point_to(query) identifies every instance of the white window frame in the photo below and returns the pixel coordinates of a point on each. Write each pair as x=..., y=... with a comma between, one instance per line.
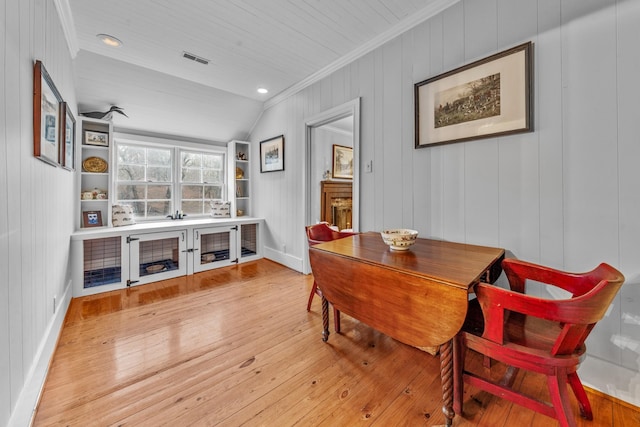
x=176, y=146
x=179, y=183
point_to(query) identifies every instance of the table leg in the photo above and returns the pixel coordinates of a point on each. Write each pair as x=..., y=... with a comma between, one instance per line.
x=325, y=319
x=446, y=376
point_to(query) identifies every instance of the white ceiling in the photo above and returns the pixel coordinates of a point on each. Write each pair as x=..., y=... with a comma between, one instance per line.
x=282, y=45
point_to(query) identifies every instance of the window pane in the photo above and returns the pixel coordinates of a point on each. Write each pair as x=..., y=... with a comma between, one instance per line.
x=130, y=173
x=212, y=192
x=158, y=157
x=191, y=160
x=131, y=155
x=138, y=208
x=191, y=192
x=212, y=161
x=193, y=207
x=158, y=208
x=191, y=175
x=158, y=174
x=211, y=176
x=131, y=192
x=161, y=192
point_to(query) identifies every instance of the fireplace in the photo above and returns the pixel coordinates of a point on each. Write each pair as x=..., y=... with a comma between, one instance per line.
x=336, y=203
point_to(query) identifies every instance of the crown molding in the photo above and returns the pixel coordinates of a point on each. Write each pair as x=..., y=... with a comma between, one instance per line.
x=403, y=26
x=69, y=29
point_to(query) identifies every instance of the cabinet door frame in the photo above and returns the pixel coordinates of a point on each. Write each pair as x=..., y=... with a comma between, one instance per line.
x=233, y=258
x=79, y=257
x=134, y=240
x=258, y=252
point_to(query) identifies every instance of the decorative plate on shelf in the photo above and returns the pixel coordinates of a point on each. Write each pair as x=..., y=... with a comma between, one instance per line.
x=95, y=164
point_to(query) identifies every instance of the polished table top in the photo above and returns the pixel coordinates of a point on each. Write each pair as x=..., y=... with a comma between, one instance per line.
x=454, y=264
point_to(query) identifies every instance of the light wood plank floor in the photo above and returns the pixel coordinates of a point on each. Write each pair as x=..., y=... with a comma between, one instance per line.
x=235, y=346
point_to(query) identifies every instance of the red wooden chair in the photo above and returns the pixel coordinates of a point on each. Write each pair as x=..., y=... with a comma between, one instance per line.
x=535, y=334
x=319, y=233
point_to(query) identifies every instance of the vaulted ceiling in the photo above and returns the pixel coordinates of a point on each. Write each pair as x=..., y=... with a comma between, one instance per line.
x=281, y=45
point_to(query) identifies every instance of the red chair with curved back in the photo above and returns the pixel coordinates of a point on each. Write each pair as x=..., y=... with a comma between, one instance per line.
x=319, y=233
x=541, y=335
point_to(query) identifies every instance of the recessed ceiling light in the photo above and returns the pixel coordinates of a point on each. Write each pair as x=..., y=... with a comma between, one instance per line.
x=109, y=40
x=263, y=90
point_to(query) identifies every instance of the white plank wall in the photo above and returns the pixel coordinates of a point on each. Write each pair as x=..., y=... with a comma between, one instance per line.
x=36, y=205
x=565, y=195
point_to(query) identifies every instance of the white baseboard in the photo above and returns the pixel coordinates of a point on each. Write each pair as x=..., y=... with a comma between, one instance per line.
x=26, y=405
x=614, y=380
x=287, y=260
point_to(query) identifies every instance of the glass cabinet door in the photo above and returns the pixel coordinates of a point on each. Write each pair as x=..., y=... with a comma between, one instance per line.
x=157, y=256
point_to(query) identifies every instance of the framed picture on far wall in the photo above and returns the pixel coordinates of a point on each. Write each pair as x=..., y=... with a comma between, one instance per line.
x=46, y=116
x=342, y=162
x=272, y=154
x=486, y=98
x=91, y=219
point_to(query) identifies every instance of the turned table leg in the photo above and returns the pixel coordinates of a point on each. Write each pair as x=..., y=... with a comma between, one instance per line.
x=325, y=319
x=446, y=375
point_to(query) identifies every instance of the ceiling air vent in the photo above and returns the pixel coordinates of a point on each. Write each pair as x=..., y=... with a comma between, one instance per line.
x=196, y=58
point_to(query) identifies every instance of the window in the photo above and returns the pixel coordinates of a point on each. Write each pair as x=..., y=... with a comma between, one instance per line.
x=201, y=179
x=146, y=179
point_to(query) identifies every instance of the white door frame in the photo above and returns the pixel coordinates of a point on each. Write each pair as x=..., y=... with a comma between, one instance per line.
x=350, y=108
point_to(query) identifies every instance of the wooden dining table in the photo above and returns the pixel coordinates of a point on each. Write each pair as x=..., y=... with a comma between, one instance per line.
x=418, y=296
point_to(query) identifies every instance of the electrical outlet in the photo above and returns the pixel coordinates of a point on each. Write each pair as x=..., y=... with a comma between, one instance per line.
x=54, y=304
x=284, y=248
x=368, y=167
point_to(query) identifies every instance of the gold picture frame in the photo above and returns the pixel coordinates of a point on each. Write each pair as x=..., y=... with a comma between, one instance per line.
x=342, y=162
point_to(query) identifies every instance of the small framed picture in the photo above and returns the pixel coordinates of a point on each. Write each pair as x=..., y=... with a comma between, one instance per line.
x=272, y=154
x=67, y=138
x=342, y=162
x=46, y=116
x=96, y=138
x=91, y=219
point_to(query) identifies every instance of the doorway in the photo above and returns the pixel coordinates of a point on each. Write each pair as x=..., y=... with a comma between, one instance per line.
x=334, y=129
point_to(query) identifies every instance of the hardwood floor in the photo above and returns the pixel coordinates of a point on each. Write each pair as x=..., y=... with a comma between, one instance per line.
x=235, y=346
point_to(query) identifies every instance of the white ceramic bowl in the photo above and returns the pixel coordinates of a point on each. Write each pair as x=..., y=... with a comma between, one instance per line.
x=399, y=239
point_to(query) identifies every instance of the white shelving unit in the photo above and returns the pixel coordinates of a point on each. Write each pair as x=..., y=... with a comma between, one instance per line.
x=239, y=166
x=94, y=182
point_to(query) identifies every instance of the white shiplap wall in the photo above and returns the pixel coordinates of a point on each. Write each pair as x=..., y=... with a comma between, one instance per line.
x=565, y=195
x=36, y=206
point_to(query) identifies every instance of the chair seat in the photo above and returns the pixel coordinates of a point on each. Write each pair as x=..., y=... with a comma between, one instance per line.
x=527, y=331
x=523, y=335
